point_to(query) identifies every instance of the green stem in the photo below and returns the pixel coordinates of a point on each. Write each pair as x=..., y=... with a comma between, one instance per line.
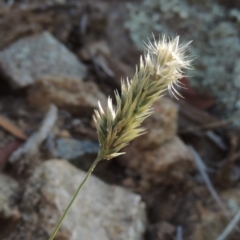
x=98, y=159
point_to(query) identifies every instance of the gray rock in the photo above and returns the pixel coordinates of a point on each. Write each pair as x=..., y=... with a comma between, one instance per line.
x=101, y=211
x=8, y=188
x=69, y=148
x=9, y=212
x=29, y=59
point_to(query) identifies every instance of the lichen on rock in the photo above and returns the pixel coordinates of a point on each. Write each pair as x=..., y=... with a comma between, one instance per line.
x=216, y=42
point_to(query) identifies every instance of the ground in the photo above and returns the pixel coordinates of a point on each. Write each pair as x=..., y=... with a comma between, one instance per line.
x=189, y=194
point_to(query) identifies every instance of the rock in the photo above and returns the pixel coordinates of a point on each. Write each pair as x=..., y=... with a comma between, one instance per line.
x=9, y=212
x=158, y=156
x=81, y=153
x=100, y=212
x=166, y=164
x=161, y=230
x=210, y=226
x=110, y=68
x=212, y=223
x=161, y=125
x=231, y=197
x=78, y=97
x=72, y=149
x=95, y=48
x=32, y=58
x=63, y=134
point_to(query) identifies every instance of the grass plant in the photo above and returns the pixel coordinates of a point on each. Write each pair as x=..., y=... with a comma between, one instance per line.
x=160, y=69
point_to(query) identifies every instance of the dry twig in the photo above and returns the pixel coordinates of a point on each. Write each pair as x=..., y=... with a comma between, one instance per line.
x=216, y=139
x=179, y=233
x=202, y=169
x=31, y=147
x=230, y=227
x=209, y=126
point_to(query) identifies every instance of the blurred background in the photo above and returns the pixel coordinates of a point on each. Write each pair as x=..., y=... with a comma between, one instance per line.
x=179, y=181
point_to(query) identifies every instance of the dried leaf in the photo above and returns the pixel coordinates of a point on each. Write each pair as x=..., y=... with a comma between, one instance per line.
x=13, y=129
x=194, y=98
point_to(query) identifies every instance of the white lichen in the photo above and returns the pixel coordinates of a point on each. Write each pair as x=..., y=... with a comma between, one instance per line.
x=216, y=35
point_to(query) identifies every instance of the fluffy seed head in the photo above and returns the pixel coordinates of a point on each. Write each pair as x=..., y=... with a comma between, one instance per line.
x=159, y=70
x=167, y=58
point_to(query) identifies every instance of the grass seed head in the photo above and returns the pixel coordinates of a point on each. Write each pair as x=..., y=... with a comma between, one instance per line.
x=160, y=68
